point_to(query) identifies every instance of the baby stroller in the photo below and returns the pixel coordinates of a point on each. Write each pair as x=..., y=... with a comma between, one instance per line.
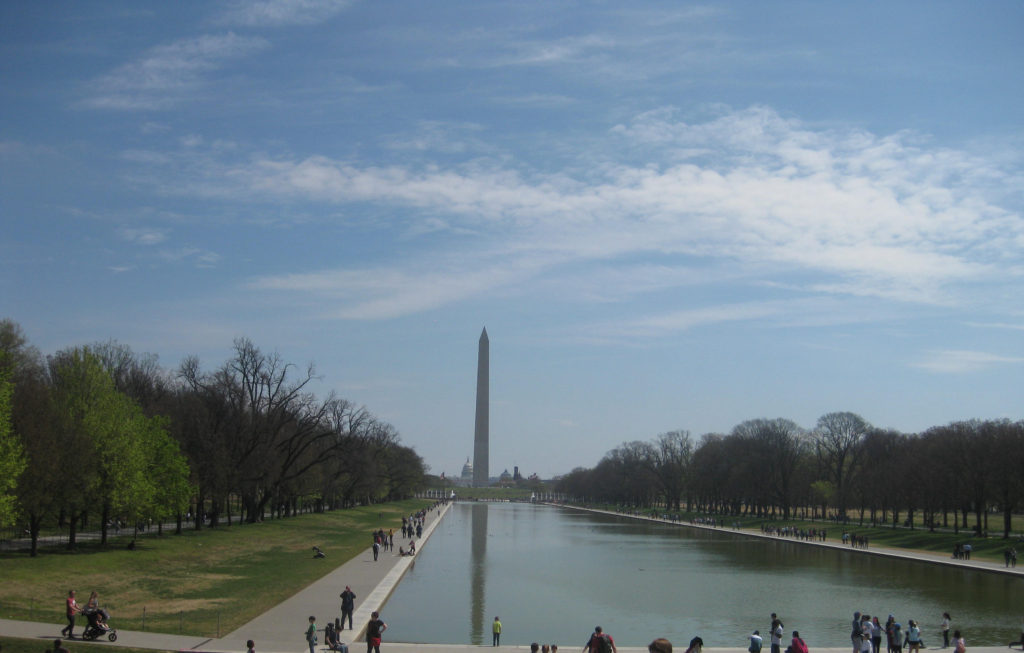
x=98, y=626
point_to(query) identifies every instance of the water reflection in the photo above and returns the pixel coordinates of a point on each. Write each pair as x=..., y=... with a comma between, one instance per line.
x=478, y=571
x=553, y=574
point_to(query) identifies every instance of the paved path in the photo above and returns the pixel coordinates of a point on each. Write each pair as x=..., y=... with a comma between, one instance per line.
x=903, y=554
x=280, y=630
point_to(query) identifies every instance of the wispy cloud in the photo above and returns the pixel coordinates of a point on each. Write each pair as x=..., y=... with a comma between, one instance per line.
x=142, y=236
x=374, y=294
x=843, y=213
x=957, y=361
x=277, y=13
x=201, y=258
x=166, y=74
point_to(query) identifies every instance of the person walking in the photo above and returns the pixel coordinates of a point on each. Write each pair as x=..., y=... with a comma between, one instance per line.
x=348, y=605
x=71, y=609
x=311, y=634
x=496, y=632
x=374, y=631
x=600, y=642
x=376, y=548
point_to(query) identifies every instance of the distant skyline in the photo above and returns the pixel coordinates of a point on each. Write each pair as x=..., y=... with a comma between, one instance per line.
x=667, y=215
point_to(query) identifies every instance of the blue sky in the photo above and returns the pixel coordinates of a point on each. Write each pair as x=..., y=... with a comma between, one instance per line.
x=667, y=215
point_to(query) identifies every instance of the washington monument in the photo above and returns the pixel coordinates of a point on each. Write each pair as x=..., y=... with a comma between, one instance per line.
x=481, y=432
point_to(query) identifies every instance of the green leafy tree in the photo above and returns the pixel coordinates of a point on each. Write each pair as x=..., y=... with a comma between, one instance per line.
x=12, y=455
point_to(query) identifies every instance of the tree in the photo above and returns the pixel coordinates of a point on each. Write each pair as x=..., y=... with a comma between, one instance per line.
x=837, y=440
x=670, y=457
x=779, y=444
x=110, y=436
x=12, y=455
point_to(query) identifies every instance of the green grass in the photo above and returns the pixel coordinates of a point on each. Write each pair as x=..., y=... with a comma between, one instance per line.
x=20, y=645
x=205, y=583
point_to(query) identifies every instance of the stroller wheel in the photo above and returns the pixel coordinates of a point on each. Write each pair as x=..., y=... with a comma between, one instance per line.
x=112, y=636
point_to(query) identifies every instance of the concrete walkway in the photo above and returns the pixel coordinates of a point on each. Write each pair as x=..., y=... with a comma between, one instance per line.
x=281, y=629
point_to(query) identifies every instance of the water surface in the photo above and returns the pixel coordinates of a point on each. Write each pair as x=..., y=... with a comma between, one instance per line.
x=552, y=574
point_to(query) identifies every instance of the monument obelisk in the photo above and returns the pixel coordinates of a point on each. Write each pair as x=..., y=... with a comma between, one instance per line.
x=481, y=433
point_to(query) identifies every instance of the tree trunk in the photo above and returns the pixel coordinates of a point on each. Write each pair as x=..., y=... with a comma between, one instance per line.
x=104, y=518
x=34, y=523
x=72, y=532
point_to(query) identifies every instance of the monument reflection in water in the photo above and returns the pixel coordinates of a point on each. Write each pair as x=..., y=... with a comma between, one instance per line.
x=478, y=571
x=552, y=574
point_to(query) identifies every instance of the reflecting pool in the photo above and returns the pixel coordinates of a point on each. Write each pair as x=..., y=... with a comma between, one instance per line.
x=552, y=574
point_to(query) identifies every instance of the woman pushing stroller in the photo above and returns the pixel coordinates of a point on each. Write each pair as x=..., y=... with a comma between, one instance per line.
x=98, y=618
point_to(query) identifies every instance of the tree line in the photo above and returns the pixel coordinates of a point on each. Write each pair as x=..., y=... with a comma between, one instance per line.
x=774, y=469
x=102, y=434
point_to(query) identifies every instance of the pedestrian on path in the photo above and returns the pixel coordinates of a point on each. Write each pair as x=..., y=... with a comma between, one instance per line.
x=250, y=646
x=71, y=610
x=311, y=634
x=495, y=632
x=374, y=630
x=376, y=548
x=348, y=605
x=600, y=642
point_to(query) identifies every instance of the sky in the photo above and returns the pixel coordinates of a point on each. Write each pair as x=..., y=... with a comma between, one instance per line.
x=667, y=215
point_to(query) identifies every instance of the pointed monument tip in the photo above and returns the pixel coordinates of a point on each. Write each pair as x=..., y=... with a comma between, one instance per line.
x=483, y=334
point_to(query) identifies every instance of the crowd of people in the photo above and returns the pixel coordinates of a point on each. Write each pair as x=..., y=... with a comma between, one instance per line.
x=866, y=633
x=805, y=534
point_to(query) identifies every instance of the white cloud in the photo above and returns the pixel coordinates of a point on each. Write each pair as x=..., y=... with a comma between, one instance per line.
x=837, y=212
x=142, y=236
x=957, y=361
x=375, y=294
x=201, y=258
x=277, y=13
x=168, y=73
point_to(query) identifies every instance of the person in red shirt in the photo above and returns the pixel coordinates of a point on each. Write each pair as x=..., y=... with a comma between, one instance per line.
x=600, y=642
x=72, y=610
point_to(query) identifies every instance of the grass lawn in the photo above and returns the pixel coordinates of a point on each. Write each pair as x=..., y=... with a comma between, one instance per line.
x=205, y=583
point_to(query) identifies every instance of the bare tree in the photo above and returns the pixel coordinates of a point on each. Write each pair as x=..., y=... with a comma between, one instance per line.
x=779, y=444
x=837, y=440
x=671, y=456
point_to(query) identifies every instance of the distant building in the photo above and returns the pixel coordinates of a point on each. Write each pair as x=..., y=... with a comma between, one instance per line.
x=466, y=479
